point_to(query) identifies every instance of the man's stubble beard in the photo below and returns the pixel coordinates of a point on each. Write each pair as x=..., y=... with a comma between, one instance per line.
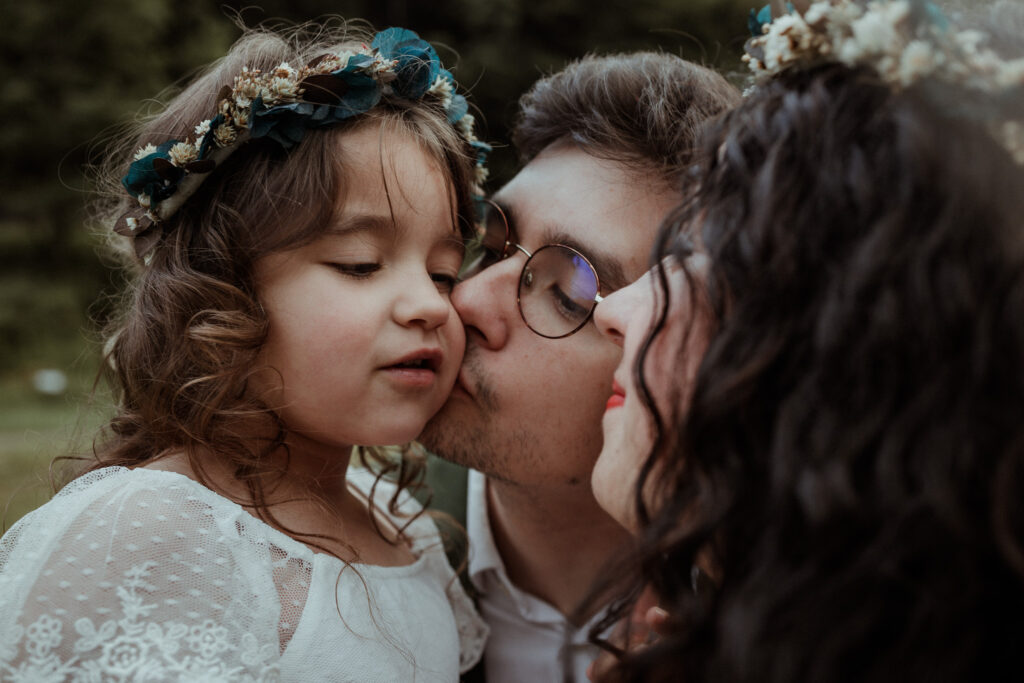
x=473, y=437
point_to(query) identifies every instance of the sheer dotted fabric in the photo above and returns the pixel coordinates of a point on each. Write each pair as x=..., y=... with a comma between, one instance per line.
x=147, y=575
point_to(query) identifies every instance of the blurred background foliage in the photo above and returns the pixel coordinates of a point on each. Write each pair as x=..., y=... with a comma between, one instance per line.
x=72, y=72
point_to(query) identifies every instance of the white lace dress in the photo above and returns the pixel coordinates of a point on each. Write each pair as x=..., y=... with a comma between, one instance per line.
x=145, y=575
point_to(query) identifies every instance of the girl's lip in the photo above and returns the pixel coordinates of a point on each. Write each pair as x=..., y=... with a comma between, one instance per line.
x=417, y=369
x=412, y=377
x=429, y=359
x=617, y=398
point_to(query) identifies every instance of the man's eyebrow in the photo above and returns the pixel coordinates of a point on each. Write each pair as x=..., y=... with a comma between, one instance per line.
x=609, y=269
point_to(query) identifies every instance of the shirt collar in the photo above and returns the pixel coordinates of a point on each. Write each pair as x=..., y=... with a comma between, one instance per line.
x=483, y=555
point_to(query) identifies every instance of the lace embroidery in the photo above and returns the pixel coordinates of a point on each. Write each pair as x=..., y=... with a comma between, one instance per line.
x=133, y=648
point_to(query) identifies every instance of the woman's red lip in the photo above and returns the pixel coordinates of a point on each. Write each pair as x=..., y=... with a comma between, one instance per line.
x=617, y=398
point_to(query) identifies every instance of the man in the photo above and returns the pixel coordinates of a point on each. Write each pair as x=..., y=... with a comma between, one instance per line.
x=607, y=142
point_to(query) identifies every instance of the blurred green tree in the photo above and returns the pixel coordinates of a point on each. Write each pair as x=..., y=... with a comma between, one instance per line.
x=71, y=72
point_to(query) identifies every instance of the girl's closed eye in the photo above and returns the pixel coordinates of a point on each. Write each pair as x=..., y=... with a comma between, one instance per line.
x=356, y=270
x=445, y=281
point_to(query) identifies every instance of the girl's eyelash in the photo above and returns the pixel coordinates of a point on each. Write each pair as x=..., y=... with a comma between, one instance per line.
x=356, y=269
x=445, y=282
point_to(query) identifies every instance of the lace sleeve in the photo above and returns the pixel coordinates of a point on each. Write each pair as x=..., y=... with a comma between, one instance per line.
x=122, y=579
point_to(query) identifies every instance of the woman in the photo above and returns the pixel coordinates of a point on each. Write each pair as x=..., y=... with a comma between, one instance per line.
x=847, y=463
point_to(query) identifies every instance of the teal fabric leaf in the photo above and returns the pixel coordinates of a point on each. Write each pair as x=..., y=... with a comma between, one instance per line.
x=757, y=20
x=361, y=95
x=458, y=108
x=144, y=178
x=285, y=124
x=482, y=150
x=418, y=63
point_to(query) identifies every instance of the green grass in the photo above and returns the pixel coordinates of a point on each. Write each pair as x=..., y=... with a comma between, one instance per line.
x=35, y=429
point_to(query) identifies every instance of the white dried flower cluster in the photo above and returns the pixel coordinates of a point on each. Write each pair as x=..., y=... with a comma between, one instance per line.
x=145, y=151
x=183, y=153
x=883, y=35
x=442, y=89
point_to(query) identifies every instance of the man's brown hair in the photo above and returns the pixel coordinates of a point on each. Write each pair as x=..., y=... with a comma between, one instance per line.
x=642, y=109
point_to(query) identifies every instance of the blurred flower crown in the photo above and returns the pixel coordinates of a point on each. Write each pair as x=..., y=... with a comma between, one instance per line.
x=904, y=41
x=282, y=105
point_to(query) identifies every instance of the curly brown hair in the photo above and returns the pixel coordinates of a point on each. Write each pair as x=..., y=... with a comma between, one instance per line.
x=851, y=467
x=180, y=355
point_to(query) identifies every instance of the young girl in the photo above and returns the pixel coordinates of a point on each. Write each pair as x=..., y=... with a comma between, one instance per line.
x=298, y=215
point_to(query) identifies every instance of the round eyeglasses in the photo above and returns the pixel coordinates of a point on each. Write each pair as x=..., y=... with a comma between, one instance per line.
x=558, y=286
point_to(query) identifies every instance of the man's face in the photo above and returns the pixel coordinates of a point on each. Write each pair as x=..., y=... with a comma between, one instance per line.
x=526, y=409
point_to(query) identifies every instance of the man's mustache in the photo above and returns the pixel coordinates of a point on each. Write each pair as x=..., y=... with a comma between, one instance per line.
x=481, y=385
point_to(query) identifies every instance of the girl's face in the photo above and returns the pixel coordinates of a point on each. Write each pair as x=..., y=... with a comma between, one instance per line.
x=669, y=369
x=364, y=345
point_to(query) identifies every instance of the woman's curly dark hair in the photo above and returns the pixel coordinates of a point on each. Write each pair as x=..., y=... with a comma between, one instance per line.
x=851, y=468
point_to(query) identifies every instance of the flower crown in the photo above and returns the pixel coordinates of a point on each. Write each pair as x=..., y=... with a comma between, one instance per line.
x=281, y=105
x=904, y=41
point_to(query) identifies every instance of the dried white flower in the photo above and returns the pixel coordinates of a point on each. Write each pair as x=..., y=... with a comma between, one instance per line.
x=465, y=127
x=874, y=34
x=1011, y=75
x=818, y=13
x=145, y=151
x=241, y=118
x=183, y=153
x=202, y=129
x=383, y=69
x=782, y=43
x=283, y=88
x=919, y=60
x=285, y=70
x=442, y=89
x=247, y=88
x=480, y=174
x=224, y=135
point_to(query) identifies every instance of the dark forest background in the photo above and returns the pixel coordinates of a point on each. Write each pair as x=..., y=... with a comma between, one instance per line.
x=72, y=71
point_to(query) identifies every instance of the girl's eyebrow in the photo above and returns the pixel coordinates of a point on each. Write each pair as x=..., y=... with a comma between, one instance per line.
x=356, y=223
x=383, y=225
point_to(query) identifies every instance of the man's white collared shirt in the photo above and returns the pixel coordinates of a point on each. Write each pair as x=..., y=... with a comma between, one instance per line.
x=527, y=633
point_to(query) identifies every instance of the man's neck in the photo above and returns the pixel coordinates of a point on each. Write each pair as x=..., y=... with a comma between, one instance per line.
x=553, y=543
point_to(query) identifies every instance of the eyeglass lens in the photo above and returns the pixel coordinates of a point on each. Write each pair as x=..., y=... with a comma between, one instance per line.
x=557, y=291
x=558, y=287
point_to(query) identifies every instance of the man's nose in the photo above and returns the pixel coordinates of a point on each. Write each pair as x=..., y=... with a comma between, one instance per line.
x=486, y=302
